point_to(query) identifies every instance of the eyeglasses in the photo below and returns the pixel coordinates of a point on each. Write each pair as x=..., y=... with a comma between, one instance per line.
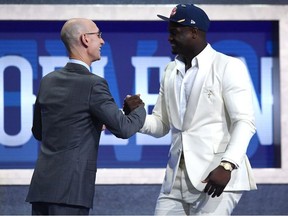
x=99, y=34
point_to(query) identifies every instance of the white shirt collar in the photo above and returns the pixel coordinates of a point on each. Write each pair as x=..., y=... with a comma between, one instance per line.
x=76, y=61
x=196, y=61
x=180, y=65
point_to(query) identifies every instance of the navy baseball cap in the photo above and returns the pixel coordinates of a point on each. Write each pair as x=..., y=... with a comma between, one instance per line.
x=188, y=15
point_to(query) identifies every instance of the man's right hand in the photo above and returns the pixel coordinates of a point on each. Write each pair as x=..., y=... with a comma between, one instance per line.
x=131, y=103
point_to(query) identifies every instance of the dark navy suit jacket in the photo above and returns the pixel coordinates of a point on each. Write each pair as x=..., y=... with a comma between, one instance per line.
x=71, y=107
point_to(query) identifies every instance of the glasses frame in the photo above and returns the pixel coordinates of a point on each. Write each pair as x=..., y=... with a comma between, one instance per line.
x=99, y=34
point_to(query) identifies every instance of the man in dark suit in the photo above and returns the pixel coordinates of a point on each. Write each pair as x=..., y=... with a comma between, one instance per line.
x=71, y=108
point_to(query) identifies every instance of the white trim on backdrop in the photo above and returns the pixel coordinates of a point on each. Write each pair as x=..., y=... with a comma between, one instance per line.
x=149, y=12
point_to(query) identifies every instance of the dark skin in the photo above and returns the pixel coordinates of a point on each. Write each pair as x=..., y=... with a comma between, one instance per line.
x=217, y=181
x=188, y=42
x=131, y=103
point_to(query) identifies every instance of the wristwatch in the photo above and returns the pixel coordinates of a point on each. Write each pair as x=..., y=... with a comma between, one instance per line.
x=227, y=166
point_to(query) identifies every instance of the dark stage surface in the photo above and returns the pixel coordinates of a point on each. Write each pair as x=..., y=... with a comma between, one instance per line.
x=141, y=199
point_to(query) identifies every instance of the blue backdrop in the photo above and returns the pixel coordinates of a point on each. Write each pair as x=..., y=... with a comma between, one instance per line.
x=133, y=59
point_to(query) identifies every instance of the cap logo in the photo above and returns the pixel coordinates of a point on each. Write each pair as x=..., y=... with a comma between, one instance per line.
x=188, y=15
x=173, y=12
x=180, y=21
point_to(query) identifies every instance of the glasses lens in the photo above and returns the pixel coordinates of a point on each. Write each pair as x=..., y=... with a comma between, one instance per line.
x=99, y=34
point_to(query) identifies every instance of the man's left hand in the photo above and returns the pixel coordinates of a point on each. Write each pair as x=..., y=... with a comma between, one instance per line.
x=217, y=181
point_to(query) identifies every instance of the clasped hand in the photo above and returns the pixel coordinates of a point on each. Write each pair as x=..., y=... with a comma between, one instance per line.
x=131, y=103
x=216, y=181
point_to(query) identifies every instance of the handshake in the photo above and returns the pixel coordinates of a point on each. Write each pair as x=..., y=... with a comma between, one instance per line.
x=131, y=103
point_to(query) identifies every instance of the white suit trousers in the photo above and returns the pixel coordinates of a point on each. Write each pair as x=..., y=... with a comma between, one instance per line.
x=184, y=199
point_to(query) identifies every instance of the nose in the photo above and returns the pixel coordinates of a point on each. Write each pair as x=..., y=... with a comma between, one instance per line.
x=102, y=41
x=170, y=38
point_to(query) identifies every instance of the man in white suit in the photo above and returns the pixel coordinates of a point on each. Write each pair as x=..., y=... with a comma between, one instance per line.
x=205, y=100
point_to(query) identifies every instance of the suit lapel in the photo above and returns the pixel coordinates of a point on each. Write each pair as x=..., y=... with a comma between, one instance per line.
x=193, y=101
x=173, y=99
x=194, y=97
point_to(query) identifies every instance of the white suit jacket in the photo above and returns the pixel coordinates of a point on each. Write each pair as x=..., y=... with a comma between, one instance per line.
x=218, y=123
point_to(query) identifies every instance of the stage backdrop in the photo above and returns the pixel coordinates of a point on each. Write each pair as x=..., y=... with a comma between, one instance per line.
x=133, y=61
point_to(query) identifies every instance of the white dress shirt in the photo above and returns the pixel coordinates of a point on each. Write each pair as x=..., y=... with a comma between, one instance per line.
x=184, y=83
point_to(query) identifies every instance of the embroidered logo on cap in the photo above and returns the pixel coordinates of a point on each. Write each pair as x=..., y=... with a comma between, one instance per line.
x=180, y=21
x=173, y=12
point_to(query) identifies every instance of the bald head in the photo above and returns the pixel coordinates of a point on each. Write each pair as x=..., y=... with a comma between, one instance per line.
x=72, y=30
x=82, y=39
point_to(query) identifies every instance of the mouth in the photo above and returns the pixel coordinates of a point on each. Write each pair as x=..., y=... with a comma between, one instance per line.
x=173, y=45
x=174, y=48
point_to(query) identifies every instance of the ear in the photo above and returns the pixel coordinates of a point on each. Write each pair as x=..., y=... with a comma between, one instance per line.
x=84, y=40
x=194, y=32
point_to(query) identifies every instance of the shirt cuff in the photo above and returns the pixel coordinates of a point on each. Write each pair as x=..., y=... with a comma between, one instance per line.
x=230, y=161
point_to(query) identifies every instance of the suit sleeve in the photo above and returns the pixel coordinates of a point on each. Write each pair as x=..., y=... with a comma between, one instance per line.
x=37, y=121
x=104, y=108
x=157, y=124
x=237, y=93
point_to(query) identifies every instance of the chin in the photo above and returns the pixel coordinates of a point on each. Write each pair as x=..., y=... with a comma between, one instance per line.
x=174, y=52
